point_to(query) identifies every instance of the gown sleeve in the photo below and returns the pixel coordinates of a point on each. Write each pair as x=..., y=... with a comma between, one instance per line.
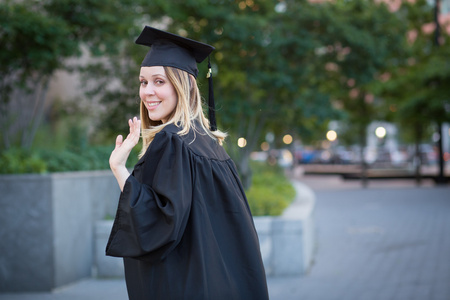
x=152, y=214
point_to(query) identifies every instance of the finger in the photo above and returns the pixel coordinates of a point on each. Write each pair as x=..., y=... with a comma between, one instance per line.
x=135, y=129
x=133, y=137
x=136, y=123
x=130, y=124
x=135, y=120
x=138, y=126
x=119, y=141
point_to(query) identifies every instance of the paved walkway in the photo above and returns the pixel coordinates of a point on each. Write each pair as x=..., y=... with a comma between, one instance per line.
x=389, y=241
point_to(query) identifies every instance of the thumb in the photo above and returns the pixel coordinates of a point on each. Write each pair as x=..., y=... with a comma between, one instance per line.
x=119, y=141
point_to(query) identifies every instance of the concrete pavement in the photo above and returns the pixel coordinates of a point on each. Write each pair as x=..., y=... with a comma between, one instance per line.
x=388, y=241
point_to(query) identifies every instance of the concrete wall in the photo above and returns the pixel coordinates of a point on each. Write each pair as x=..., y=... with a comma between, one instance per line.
x=26, y=233
x=47, y=226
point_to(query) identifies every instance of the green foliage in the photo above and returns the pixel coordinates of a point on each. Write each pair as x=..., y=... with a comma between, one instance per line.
x=33, y=47
x=19, y=161
x=43, y=40
x=37, y=38
x=356, y=51
x=416, y=90
x=16, y=160
x=66, y=160
x=271, y=192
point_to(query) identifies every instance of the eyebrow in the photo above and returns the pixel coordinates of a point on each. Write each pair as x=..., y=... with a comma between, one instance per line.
x=154, y=75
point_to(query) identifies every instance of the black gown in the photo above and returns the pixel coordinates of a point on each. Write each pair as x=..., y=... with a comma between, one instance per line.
x=183, y=224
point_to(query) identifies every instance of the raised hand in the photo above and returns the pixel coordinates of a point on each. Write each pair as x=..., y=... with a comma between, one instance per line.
x=119, y=156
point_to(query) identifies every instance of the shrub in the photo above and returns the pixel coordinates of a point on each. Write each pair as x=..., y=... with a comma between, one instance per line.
x=271, y=192
x=19, y=161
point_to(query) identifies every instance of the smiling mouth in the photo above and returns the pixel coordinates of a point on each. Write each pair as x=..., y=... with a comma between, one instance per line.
x=153, y=104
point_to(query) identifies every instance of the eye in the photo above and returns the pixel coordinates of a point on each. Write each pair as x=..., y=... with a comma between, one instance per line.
x=159, y=82
x=144, y=83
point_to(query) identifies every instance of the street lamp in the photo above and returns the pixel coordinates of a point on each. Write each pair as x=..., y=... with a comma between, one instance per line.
x=380, y=132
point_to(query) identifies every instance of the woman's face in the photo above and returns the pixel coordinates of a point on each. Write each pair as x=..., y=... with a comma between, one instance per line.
x=157, y=93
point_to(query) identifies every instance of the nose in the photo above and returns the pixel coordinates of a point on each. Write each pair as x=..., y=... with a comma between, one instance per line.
x=149, y=90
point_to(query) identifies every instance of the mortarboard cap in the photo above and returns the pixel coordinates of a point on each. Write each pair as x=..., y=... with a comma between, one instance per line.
x=171, y=50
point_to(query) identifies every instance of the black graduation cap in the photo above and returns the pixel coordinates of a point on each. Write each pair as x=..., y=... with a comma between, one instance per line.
x=170, y=50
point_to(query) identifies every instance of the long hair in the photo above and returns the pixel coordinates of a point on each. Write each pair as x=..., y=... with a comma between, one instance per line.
x=188, y=109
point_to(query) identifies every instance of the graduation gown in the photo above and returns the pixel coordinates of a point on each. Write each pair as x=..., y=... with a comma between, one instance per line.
x=183, y=224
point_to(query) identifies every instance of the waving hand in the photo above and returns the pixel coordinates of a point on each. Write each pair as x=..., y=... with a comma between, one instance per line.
x=119, y=156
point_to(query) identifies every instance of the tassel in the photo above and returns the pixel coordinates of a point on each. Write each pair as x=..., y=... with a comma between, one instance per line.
x=211, y=105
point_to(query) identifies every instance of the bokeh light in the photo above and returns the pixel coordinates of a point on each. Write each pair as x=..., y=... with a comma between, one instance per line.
x=380, y=132
x=331, y=135
x=242, y=142
x=287, y=139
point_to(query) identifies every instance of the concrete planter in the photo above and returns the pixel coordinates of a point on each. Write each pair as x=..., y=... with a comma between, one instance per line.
x=105, y=266
x=47, y=227
x=288, y=242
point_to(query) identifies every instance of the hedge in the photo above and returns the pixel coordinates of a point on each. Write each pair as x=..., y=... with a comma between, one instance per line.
x=20, y=161
x=271, y=191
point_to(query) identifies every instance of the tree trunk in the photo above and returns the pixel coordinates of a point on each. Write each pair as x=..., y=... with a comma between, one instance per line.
x=5, y=91
x=362, y=142
x=440, y=178
x=22, y=111
x=245, y=170
x=417, y=160
x=252, y=128
x=29, y=132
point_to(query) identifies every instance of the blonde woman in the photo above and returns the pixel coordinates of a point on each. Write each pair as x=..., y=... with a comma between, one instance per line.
x=183, y=225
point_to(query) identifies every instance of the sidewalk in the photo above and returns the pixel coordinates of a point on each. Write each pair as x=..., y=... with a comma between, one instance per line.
x=390, y=240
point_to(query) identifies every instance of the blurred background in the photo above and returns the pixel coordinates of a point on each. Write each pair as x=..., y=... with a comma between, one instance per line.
x=352, y=85
x=357, y=90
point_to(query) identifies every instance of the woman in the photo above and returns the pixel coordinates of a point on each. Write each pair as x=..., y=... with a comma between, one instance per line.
x=183, y=225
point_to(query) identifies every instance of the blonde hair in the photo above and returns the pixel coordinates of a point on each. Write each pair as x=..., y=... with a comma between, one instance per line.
x=188, y=108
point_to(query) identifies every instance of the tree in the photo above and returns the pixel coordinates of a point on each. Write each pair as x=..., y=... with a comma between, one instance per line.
x=36, y=39
x=32, y=48
x=417, y=89
x=357, y=50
